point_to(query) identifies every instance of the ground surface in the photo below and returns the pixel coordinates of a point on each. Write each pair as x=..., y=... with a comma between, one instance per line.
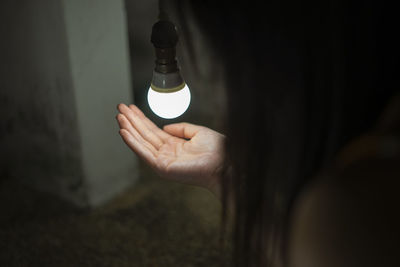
x=155, y=223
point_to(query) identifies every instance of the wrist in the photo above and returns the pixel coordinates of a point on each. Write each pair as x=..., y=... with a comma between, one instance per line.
x=215, y=187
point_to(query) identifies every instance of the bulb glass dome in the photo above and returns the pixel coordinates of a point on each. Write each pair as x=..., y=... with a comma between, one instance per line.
x=169, y=105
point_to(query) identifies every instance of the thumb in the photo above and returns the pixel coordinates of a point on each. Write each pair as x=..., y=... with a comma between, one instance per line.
x=183, y=129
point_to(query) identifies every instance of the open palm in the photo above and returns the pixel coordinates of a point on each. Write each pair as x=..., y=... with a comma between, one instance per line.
x=182, y=152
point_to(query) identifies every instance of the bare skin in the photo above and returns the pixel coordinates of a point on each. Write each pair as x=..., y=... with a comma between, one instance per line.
x=181, y=152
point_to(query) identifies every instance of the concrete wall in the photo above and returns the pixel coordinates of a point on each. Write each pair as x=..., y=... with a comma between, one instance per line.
x=39, y=134
x=98, y=49
x=63, y=68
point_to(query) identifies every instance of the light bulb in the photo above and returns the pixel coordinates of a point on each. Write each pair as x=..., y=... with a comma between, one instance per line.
x=169, y=105
x=168, y=95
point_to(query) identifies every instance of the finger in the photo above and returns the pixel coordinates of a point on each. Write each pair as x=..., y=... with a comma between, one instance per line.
x=137, y=147
x=125, y=124
x=183, y=129
x=140, y=126
x=154, y=128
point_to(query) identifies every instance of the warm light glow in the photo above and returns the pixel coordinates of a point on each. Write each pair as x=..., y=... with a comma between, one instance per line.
x=169, y=105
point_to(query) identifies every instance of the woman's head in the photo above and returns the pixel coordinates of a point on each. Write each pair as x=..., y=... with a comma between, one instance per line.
x=302, y=80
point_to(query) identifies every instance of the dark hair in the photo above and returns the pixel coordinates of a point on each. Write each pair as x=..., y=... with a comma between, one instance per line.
x=302, y=80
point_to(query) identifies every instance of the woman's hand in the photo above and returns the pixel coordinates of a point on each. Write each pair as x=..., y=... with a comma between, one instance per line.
x=181, y=152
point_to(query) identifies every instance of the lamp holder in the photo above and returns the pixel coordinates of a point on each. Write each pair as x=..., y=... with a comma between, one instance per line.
x=166, y=74
x=164, y=37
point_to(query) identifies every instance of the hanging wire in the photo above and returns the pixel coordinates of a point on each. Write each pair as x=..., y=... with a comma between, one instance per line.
x=162, y=10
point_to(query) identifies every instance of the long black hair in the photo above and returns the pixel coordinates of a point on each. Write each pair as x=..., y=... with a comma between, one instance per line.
x=302, y=80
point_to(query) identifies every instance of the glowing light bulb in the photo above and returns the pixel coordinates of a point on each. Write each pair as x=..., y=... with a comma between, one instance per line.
x=169, y=105
x=168, y=95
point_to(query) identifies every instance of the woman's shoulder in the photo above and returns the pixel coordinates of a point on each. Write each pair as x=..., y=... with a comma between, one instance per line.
x=349, y=217
x=351, y=220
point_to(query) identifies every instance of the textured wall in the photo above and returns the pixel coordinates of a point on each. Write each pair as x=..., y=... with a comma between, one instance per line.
x=98, y=48
x=39, y=134
x=63, y=69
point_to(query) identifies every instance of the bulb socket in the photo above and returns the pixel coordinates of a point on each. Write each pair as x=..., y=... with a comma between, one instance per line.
x=166, y=74
x=164, y=37
x=166, y=60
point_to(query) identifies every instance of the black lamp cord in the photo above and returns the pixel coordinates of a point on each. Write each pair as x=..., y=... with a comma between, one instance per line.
x=162, y=10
